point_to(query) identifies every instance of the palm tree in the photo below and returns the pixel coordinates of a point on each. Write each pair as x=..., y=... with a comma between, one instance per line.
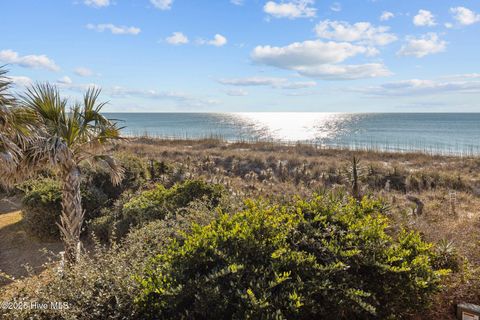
x=8, y=149
x=64, y=137
x=14, y=131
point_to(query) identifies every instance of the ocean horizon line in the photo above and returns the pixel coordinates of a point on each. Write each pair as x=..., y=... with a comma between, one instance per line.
x=317, y=112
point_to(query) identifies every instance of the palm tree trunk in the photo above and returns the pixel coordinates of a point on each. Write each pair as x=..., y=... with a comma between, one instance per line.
x=72, y=214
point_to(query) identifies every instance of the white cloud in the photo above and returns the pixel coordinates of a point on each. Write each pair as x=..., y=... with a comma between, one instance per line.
x=320, y=59
x=217, y=41
x=28, y=61
x=297, y=85
x=114, y=29
x=448, y=25
x=186, y=100
x=67, y=84
x=465, y=16
x=151, y=94
x=65, y=80
x=83, y=72
x=299, y=93
x=162, y=4
x=464, y=76
x=290, y=9
x=21, y=81
x=424, y=18
x=237, y=2
x=346, y=72
x=422, y=46
x=274, y=82
x=422, y=87
x=362, y=32
x=336, y=6
x=253, y=81
x=307, y=53
x=386, y=15
x=177, y=38
x=236, y=92
x=97, y=3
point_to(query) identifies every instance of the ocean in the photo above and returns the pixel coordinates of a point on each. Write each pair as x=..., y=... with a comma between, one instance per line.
x=435, y=133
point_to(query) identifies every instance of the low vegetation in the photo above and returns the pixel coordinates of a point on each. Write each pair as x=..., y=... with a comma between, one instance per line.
x=263, y=231
x=319, y=258
x=154, y=204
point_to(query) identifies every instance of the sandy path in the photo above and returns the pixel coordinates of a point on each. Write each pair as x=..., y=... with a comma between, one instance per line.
x=17, y=248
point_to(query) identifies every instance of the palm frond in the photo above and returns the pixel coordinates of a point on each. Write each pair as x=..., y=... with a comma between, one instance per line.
x=13, y=131
x=44, y=132
x=45, y=101
x=6, y=98
x=115, y=170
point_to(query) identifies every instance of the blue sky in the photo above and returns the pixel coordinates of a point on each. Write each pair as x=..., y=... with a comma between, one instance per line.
x=251, y=55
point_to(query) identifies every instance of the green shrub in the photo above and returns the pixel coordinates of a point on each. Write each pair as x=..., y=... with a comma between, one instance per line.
x=156, y=204
x=101, y=285
x=159, y=169
x=43, y=205
x=181, y=195
x=147, y=206
x=135, y=176
x=43, y=196
x=317, y=259
x=136, y=171
x=101, y=227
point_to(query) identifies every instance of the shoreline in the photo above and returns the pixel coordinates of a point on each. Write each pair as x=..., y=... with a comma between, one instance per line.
x=313, y=145
x=442, y=134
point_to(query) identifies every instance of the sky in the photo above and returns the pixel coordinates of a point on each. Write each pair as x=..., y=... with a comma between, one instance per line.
x=250, y=55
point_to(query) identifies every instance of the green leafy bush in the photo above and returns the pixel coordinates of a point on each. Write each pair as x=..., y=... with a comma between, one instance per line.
x=43, y=196
x=146, y=206
x=135, y=175
x=42, y=206
x=136, y=172
x=159, y=169
x=101, y=285
x=155, y=204
x=322, y=258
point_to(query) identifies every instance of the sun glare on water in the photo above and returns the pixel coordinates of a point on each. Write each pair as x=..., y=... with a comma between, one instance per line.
x=293, y=126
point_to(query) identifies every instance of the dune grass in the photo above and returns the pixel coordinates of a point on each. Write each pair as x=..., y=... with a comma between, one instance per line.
x=448, y=187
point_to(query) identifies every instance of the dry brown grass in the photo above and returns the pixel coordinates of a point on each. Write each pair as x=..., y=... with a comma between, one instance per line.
x=280, y=172
x=244, y=168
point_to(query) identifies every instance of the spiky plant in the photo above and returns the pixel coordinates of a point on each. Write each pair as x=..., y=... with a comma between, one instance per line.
x=64, y=136
x=354, y=174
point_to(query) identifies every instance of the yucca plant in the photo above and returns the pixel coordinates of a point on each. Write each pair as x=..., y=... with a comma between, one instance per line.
x=446, y=255
x=63, y=136
x=354, y=173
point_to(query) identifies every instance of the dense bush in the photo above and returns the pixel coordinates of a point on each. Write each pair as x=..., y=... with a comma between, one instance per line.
x=101, y=285
x=43, y=204
x=135, y=175
x=155, y=204
x=43, y=196
x=317, y=259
